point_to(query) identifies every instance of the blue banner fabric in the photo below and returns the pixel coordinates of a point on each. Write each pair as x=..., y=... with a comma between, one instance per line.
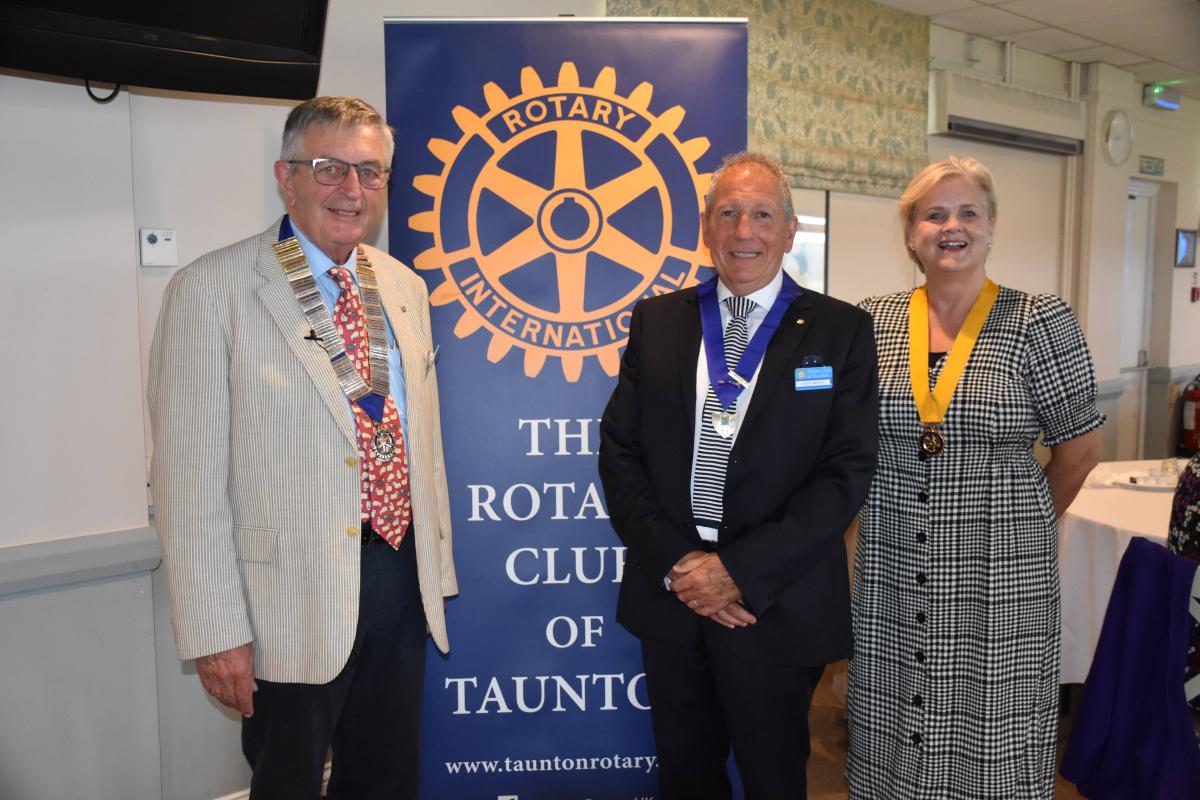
x=548, y=174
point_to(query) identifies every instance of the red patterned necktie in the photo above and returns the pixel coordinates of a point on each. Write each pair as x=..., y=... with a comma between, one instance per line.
x=385, y=499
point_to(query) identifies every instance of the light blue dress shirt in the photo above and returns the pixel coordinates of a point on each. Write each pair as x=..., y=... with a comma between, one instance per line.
x=320, y=264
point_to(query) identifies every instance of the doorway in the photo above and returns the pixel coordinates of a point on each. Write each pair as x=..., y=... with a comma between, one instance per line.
x=1137, y=292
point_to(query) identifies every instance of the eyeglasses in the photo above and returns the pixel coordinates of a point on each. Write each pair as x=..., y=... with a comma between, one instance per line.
x=333, y=172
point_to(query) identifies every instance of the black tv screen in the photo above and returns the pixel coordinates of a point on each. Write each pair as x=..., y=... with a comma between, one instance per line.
x=257, y=48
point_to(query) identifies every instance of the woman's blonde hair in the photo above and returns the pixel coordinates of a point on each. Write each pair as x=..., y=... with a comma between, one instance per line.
x=932, y=175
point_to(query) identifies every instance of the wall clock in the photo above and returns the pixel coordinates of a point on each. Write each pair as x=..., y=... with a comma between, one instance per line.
x=1118, y=137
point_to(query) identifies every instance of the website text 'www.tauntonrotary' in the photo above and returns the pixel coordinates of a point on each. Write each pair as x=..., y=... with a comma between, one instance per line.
x=555, y=764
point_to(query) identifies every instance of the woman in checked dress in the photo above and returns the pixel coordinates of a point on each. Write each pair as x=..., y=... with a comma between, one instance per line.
x=954, y=680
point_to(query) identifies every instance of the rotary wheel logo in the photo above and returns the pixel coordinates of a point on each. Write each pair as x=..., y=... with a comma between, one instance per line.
x=556, y=211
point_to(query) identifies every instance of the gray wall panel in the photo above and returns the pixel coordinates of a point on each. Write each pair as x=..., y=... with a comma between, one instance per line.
x=79, y=692
x=200, y=739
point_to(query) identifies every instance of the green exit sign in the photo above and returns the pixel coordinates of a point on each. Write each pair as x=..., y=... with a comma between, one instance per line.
x=1150, y=165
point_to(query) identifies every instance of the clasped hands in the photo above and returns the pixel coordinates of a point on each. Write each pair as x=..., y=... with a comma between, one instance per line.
x=700, y=582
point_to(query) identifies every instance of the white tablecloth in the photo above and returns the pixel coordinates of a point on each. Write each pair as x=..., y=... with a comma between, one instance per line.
x=1094, y=534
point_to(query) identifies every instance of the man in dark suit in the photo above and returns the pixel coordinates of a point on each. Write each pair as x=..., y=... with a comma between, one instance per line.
x=735, y=451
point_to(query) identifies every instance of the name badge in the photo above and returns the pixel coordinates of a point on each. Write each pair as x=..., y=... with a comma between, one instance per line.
x=811, y=378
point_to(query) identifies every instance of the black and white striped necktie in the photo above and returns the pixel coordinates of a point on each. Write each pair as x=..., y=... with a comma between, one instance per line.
x=712, y=456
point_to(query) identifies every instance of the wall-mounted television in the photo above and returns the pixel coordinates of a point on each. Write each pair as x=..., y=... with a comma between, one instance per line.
x=256, y=48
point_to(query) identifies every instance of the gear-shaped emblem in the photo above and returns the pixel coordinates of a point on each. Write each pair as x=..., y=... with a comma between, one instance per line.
x=556, y=211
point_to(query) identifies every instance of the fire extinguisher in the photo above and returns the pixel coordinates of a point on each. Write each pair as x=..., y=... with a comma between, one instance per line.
x=1189, y=434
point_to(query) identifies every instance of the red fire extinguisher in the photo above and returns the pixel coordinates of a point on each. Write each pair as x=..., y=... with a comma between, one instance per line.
x=1189, y=434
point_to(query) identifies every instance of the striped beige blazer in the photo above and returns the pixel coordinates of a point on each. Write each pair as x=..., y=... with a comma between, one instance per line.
x=254, y=477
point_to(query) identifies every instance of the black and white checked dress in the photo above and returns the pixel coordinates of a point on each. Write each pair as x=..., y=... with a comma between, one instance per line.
x=954, y=680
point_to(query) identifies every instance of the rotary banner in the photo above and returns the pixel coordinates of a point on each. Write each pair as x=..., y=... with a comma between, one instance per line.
x=548, y=174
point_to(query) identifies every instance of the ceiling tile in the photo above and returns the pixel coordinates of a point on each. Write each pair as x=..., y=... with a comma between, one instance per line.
x=1191, y=62
x=986, y=21
x=1158, y=40
x=1106, y=53
x=927, y=8
x=1177, y=29
x=1175, y=36
x=1065, y=13
x=1050, y=40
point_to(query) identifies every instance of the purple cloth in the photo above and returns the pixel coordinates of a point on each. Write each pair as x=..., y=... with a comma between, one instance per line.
x=1132, y=738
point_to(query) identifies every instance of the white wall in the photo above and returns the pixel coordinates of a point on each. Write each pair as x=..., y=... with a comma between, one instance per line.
x=866, y=248
x=70, y=413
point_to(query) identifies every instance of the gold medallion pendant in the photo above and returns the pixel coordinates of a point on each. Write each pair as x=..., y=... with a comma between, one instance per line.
x=932, y=441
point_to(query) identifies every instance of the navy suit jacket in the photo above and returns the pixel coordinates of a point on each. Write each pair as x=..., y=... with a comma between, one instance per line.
x=798, y=472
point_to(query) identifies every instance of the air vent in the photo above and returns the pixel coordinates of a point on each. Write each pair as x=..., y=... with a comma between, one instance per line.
x=1013, y=137
x=990, y=111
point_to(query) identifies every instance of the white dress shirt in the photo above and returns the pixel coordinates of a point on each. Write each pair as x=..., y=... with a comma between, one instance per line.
x=764, y=298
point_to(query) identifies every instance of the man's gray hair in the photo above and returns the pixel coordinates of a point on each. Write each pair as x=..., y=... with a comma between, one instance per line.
x=764, y=161
x=336, y=112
